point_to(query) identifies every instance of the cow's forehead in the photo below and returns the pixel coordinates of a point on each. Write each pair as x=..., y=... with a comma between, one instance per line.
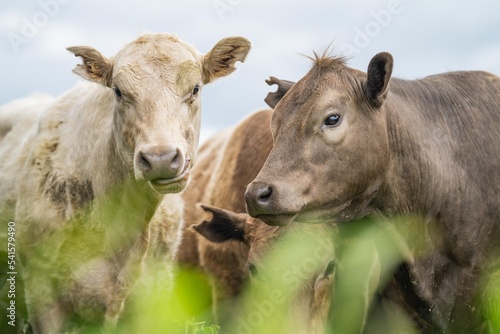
x=315, y=93
x=157, y=51
x=158, y=59
x=183, y=75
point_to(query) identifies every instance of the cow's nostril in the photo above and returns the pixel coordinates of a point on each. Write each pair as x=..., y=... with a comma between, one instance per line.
x=144, y=163
x=264, y=194
x=176, y=160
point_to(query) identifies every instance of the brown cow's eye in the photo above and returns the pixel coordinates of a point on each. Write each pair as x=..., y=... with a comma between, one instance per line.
x=332, y=120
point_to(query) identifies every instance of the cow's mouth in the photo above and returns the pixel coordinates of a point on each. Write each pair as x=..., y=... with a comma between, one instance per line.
x=277, y=219
x=315, y=215
x=172, y=185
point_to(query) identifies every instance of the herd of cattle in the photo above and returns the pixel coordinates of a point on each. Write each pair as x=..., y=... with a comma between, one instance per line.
x=108, y=174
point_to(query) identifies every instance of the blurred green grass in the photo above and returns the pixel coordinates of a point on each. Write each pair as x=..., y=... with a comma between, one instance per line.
x=366, y=253
x=268, y=304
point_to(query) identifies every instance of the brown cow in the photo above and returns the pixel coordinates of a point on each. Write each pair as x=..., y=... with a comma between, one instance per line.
x=348, y=144
x=225, y=166
x=99, y=161
x=307, y=280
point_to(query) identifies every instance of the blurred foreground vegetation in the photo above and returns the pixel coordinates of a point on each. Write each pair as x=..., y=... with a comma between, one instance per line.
x=366, y=253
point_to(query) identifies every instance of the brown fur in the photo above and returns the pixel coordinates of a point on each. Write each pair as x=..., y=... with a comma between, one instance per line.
x=232, y=167
x=208, y=156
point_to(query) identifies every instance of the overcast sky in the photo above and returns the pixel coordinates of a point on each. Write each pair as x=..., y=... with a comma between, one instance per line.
x=424, y=36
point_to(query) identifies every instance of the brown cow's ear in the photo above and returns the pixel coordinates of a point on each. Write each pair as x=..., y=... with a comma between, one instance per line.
x=221, y=60
x=95, y=67
x=284, y=86
x=223, y=226
x=379, y=73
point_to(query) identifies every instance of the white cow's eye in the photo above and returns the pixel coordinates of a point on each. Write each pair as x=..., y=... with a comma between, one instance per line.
x=118, y=93
x=194, y=94
x=196, y=89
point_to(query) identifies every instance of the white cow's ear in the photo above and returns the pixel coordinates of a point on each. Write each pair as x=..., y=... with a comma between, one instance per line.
x=221, y=60
x=95, y=66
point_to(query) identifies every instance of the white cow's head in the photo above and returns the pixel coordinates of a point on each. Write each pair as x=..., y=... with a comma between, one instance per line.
x=157, y=82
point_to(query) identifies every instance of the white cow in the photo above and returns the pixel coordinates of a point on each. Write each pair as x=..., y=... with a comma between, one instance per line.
x=95, y=167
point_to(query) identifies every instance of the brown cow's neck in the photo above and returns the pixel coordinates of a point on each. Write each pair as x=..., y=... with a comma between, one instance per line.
x=415, y=160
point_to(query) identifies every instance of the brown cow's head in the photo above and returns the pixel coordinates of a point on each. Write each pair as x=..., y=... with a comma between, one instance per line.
x=155, y=85
x=330, y=149
x=313, y=276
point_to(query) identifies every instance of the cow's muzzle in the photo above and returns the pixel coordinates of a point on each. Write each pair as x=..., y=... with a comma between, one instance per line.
x=167, y=170
x=261, y=204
